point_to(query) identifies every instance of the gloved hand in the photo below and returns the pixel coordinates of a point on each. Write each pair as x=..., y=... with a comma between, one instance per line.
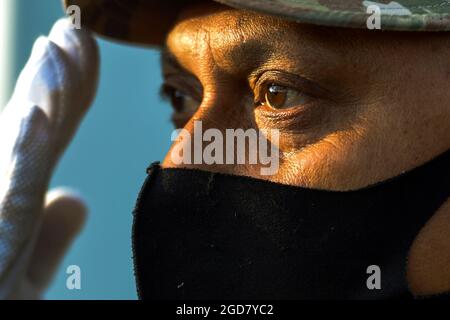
x=52, y=94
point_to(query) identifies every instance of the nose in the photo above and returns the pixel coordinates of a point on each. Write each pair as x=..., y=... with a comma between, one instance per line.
x=222, y=137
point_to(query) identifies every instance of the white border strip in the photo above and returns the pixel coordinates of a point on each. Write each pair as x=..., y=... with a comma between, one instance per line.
x=7, y=19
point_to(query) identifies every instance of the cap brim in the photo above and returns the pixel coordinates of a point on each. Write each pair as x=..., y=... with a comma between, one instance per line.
x=146, y=22
x=137, y=22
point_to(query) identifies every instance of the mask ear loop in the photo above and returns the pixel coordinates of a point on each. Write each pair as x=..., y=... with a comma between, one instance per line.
x=154, y=166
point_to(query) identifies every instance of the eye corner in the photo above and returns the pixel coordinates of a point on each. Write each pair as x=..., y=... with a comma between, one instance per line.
x=181, y=98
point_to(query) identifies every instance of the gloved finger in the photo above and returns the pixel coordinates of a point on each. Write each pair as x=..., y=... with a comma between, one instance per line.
x=64, y=216
x=24, y=174
x=64, y=81
x=82, y=50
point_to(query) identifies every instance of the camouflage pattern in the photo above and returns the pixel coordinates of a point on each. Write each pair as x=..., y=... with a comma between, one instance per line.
x=146, y=22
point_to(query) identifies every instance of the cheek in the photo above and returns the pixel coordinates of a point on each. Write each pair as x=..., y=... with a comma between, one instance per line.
x=338, y=161
x=382, y=141
x=345, y=154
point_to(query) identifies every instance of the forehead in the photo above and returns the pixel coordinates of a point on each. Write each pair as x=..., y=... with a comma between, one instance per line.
x=238, y=41
x=231, y=36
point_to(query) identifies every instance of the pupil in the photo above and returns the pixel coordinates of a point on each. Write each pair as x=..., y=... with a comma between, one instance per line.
x=276, y=96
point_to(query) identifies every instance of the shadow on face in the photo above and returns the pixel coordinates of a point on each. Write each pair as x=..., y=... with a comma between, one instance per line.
x=341, y=108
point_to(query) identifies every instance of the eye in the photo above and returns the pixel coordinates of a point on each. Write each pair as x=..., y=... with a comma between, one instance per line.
x=277, y=96
x=181, y=101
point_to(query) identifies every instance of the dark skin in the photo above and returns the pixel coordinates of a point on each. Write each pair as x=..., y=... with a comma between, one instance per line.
x=353, y=107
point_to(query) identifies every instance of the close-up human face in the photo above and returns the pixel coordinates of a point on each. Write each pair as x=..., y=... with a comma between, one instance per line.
x=353, y=107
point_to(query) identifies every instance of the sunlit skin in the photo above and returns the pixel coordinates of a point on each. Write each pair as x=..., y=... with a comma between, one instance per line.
x=353, y=107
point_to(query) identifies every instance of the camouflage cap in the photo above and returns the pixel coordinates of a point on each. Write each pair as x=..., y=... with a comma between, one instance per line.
x=147, y=21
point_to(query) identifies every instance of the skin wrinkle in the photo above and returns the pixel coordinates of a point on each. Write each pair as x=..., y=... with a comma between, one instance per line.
x=388, y=113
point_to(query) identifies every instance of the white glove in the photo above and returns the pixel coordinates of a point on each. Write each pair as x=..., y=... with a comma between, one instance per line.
x=52, y=94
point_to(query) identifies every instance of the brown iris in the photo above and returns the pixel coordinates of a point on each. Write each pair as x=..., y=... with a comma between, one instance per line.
x=276, y=96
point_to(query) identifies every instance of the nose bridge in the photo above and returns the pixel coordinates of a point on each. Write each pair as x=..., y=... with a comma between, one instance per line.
x=222, y=108
x=224, y=104
x=218, y=110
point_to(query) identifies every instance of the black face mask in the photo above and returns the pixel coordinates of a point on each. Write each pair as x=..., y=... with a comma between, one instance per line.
x=202, y=235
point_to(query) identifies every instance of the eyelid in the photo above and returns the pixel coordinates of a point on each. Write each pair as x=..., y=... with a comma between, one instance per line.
x=290, y=81
x=185, y=82
x=179, y=83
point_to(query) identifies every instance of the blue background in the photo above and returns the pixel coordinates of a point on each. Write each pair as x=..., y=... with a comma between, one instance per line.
x=127, y=128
